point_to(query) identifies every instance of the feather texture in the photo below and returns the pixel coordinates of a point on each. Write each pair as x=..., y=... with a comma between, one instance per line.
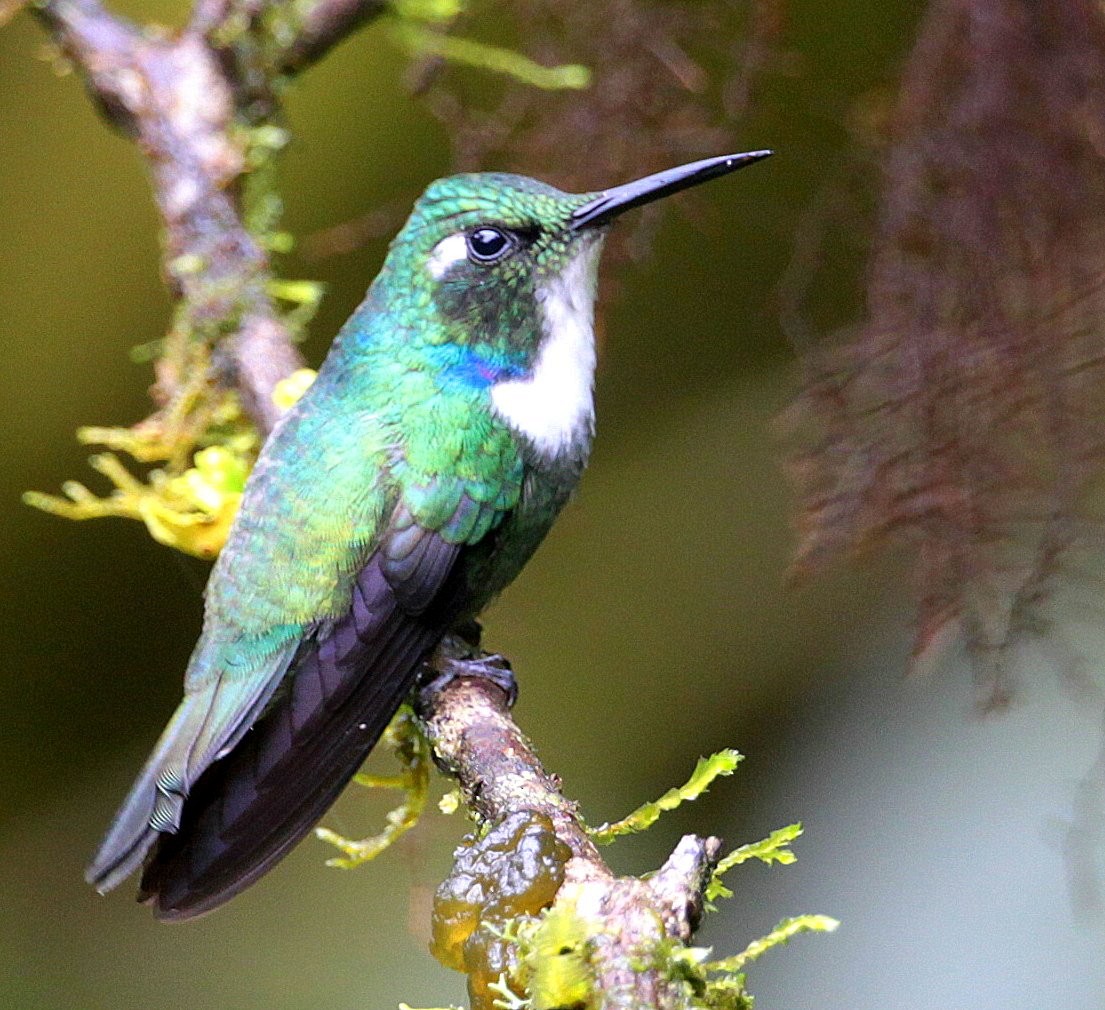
x=208, y=723
x=347, y=680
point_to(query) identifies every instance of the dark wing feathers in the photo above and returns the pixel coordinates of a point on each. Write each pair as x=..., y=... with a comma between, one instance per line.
x=248, y=809
x=415, y=564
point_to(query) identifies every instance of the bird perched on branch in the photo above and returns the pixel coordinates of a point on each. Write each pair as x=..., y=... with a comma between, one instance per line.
x=449, y=424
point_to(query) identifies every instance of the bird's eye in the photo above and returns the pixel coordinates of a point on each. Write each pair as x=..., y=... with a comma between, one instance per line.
x=487, y=244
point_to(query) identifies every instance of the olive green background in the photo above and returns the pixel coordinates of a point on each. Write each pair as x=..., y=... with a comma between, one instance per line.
x=655, y=625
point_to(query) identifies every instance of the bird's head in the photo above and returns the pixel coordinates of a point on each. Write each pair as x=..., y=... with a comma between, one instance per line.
x=500, y=272
x=486, y=247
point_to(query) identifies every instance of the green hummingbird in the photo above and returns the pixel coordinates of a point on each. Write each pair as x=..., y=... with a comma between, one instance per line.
x=447, y=427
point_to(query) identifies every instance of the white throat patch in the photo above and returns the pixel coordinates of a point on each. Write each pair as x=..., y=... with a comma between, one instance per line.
x=553, y=407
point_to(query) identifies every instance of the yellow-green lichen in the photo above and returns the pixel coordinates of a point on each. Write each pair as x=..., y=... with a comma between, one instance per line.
x=207, y=447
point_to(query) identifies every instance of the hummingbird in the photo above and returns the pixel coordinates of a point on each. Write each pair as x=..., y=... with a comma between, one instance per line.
x=449, y=424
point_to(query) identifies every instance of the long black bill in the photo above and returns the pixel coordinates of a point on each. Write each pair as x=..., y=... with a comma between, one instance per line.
x=612, y=202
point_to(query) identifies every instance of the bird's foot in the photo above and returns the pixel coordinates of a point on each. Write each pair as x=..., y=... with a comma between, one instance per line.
x=456, y=657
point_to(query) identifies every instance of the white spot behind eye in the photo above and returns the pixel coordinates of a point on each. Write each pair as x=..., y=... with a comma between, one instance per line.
x=448, y=252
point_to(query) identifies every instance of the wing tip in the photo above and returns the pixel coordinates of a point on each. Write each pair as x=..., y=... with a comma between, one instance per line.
x=182, y=911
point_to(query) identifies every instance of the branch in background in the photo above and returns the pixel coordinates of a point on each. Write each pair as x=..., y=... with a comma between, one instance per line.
x=200, y=105
x=182, y=104
x=321, y=26
x=197, y=103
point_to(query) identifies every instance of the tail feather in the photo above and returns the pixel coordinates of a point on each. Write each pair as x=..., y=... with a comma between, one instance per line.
x=251, y=808
x=151, y=807
x=242, y=774
x=207, y=723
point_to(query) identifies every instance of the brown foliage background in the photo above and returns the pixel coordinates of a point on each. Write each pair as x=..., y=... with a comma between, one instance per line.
x=966, y=417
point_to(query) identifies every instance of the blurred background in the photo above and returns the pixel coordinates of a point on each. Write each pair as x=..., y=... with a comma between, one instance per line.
x=959, y=841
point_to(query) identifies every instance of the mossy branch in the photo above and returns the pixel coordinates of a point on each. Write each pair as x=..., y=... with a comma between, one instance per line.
x=189, y=101
x=531, y=911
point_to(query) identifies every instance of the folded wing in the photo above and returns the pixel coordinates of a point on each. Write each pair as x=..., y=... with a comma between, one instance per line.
x=250, y=808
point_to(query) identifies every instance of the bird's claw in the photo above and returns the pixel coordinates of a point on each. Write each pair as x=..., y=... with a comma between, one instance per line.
x=448, y=666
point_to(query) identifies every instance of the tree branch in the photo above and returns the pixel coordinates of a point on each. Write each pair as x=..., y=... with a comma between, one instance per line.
x=324, y=24
x=629, y=923
x=190, y=101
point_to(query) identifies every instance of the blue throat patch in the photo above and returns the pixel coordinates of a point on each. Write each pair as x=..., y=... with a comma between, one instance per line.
x=475, y=368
